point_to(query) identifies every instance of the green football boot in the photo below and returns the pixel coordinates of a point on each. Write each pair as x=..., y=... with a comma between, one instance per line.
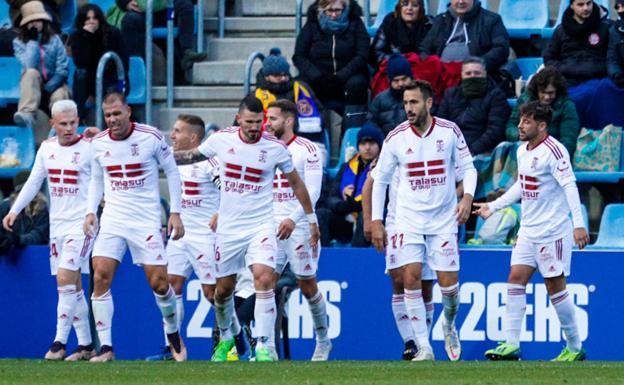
x=503, y=352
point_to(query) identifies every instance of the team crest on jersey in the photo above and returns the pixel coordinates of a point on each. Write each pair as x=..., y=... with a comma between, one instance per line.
x=440, y=145
x=75, y=158
x=134, y=149
x=534, y=163
x=262, y=157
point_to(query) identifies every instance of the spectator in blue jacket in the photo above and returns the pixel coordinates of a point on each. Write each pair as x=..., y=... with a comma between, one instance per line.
x=45, y=64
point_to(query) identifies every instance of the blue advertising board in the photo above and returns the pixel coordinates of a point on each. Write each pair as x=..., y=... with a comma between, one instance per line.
x=358, y=305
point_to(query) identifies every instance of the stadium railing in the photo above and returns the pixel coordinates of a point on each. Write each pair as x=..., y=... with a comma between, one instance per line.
x=16, y=144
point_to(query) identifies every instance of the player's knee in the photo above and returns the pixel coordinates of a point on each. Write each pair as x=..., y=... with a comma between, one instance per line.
x=308, y=287
x=411, y=281
x=209, y=292
x=177, y=283
x=397, y=283
x=159, y=284
x=516, y=278
x=263, y=282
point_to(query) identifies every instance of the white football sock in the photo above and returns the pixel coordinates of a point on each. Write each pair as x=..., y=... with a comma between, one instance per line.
x=180, y=313
x=450, y=301
x=418, y=316
x=514, y=313
x=319, y=315
x=65, y=309
x=81, y=320
x=167, y=305
x=401, y=318
x=265, y=314
x=223, y=314
x=429, y=309
x=567, y=317
x=103, y=309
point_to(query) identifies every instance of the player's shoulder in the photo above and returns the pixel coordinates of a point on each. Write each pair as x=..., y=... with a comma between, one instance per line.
x=271, y=140
x=555, y=147
x=101, y=137
x=397, y=131
x=149, y=131
x=305, y=144
x=444, y=124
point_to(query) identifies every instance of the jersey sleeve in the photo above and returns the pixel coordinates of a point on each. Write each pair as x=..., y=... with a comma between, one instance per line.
x=284, y=160
x=313, y=179
x=96, y=184
x=464, y=166
x=32, y=185
x=382, y=174
x=208, y=147
x=561, y=170
x=164, y=156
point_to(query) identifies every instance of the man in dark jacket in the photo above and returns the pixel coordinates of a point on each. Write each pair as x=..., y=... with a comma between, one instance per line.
x=478, y=107
x=615, y=54
x=387, y=111
x=466, y=29
x=331, y=53
x=31, y=227
x=578, y=48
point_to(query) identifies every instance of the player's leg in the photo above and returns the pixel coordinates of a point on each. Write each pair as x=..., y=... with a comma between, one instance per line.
x=399, y=311
x=67, y=287
x=82, y=326
x=554, y=264
x=102, y=304
x=265, y=312
x=224, y=314
x=428, y=277
x=415, y=306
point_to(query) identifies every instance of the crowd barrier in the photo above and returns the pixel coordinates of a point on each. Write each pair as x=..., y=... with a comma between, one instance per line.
x=358, y=305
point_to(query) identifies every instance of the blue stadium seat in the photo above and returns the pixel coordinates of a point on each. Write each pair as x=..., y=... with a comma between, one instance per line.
x=26, y=148
x=5, y=20
x=348, y=140
x=327, y=144
x=67, y=12
x=385, y=7
x=524, y=18
x=10, y=73
x=443, y=5
x=136, y=75
x=611, y=232
x=103, y=4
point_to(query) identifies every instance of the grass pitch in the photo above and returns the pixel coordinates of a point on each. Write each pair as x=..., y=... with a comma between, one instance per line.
x=297, y=372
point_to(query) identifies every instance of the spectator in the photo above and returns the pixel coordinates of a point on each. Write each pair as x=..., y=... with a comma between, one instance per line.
x=331, y=54
x=51, y=7
x=341, y=206
x=274, y=82
x=44, y=62
x=478, y=107
x=401, y=31
x=31, y=226
x=133, y=29
x=549, y=87
x=578, y=48
x=466, y=29
x=386, y=111
x=615, y=54
x=92, y=38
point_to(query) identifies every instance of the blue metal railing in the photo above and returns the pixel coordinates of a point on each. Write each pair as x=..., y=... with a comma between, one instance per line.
x=149, y=21
x=200, y=26
x=249, y=68
x=170, y=45
x=367, y=16
x=99, y=83
x=221, y=19
x=298, y=16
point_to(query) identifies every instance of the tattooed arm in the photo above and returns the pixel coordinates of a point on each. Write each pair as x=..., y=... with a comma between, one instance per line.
x=188, y=156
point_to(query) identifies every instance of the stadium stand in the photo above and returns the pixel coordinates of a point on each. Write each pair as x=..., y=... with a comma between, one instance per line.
x=67, y=12
x=136, y=75
x=349, y=140
x=524, y=18
x=103, y=4
x=5, y=20
x=443, y=5
x=17, y=145
x=10, y=72
x=611, y=225
x=385, y=7
x=563, y=5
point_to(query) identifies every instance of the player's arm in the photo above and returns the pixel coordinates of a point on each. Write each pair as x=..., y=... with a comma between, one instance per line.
x=188, y=156
x=465, y=168
x=300, y=191
x=175, y=226
x=563, y=174
x=94, y=197
x=511, y=196
x=313, y=180
x=384, y=169
x=367, y=192
x=28, y=192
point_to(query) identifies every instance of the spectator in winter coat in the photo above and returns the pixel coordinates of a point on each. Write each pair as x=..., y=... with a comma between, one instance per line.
x=44, y=63
x=466, y=29
x=615, y=54
x=92, y=38
x=549, y=87
x=578, y=48
x=478, y=107
x=386, y=111
x=401, y=31
x=331, y=53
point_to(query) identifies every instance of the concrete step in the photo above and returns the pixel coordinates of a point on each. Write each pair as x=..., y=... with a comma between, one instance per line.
x=280, y=7
x=239, y=48
x=222, y=72
x=165, y=117
x=201, y=96
x=277, y=26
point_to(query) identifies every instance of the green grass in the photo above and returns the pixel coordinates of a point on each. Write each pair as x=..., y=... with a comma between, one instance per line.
x=335, y=372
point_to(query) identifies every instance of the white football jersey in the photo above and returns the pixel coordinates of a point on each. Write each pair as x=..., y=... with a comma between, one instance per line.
x=200, y=196
x=542, y=172
x=307, y=161
x=68, y=170
x=129, y=171
x=247, y=171
x=428, y=167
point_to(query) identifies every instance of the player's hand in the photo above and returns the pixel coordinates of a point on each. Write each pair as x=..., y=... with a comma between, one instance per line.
x=175, y=226
x=133, y=6
x=90, y=225
x=315, y=235
x=379, y=237
x=483, y=210
x=90, y=132
x=580, y=237
x=8, y=220
x=368, y=229
x=213, y=222
x=462, y=210
x=285, y=228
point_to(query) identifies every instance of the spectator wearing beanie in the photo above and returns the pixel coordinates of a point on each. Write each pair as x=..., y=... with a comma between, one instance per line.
x=386, y=111
x=341, y=201
x=615, y=54
x=274, y=82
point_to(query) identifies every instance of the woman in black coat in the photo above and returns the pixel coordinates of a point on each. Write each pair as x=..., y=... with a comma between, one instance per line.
x=331, y=54
x=401, y=31
x=94, y=37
